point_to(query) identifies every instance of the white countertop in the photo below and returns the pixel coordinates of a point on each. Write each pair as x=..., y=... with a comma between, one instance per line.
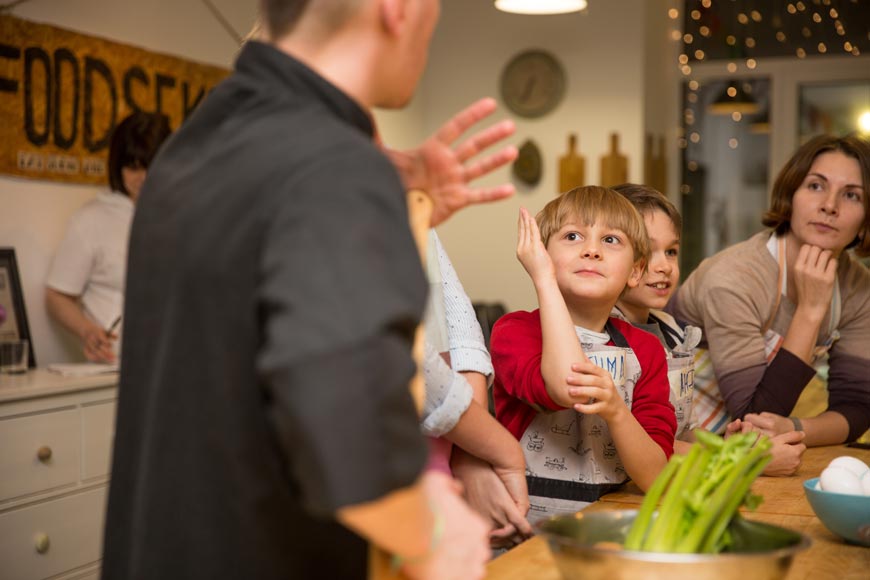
x=41, y=383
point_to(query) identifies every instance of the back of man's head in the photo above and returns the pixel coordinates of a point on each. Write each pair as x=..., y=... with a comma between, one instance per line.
x=280, y=17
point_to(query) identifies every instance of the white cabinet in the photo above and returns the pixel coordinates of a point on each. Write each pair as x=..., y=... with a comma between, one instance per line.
x=55, y=454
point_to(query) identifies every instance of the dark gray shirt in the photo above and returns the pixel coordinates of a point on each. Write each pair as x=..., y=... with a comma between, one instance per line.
x=272, y=293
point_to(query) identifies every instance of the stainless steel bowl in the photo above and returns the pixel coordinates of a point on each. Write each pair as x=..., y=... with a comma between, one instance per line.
x=761, y=551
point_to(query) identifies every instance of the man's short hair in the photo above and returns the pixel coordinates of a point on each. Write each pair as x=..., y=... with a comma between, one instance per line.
x=592, y=204
x=134, y=144
x=280, y=17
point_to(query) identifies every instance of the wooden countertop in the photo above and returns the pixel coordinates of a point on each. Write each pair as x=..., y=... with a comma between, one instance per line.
x=784, y=505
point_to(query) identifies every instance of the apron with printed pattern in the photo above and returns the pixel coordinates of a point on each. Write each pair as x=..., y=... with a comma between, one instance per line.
x=571, y=459
x=681, y=370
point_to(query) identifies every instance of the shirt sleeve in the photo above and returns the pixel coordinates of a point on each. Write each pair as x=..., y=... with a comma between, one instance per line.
x=74, y=260
x=517, y=348
x=341, y=292
x=651, y=404
x=849, y=364
x=448, y=395
x=733, y=327
x=465, y=337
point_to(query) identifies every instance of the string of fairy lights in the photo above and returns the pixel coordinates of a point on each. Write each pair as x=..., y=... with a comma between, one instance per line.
x=738, y=32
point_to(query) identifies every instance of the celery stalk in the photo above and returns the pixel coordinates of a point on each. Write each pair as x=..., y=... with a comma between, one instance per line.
x=637, y=533
x=715, y=509
x=671, y=511
x=699, y=493
x=735, y=500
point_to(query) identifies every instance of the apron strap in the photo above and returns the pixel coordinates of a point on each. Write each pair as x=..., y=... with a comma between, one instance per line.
x=615, y=336
x=672, y=337
x=780, y=282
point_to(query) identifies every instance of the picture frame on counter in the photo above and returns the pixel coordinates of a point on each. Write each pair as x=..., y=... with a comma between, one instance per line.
x=13, y=312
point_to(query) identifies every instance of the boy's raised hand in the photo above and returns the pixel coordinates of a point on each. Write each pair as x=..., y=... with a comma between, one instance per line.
x=594, y=392
x=530, y=249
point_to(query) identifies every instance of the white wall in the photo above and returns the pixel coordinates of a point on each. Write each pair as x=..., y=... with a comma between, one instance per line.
x=33, y=214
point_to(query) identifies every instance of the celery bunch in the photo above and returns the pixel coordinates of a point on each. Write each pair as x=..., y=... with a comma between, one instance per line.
x=700, y=493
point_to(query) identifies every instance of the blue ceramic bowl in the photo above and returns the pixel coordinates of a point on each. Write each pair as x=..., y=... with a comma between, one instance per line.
x=846, y=515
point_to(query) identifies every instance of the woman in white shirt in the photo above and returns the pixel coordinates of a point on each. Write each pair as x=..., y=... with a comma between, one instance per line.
x=85, y=285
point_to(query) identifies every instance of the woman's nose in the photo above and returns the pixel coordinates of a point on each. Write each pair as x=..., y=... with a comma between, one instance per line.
x=829, y=203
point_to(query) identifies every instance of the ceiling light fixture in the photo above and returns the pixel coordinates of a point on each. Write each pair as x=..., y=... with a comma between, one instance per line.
x=761, y=124
x=541, y=6
x=734, y=99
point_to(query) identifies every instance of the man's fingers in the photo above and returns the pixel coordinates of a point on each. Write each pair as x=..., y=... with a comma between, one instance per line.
x=487, y=194
x=452, y=129
x=480, y=141
x=487, y=164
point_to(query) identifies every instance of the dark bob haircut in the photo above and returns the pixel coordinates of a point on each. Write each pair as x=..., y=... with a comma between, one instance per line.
x=134, y=144
x=793, y=173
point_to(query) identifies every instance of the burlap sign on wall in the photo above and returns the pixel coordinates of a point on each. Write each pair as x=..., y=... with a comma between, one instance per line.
x=62, y=93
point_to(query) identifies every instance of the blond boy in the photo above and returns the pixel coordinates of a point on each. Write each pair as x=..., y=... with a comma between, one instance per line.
x=586, y=394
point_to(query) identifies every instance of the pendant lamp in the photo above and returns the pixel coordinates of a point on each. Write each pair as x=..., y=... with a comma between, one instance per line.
x=541, y=6
x=734, y=100
x=761, y=124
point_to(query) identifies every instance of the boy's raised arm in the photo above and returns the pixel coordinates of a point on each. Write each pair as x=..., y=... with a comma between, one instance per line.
x=561, y=347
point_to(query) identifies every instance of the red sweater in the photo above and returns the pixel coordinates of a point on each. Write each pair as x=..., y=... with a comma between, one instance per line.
x=519, y=390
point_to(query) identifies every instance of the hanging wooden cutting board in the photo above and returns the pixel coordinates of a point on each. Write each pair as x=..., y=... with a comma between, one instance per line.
x=660, y=168
x=572, y=167
x=614, y=165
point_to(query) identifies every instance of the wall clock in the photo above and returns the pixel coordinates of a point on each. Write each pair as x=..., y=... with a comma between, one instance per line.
x=533, y=83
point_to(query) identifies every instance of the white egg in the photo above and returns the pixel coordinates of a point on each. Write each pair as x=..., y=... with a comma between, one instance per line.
x=865, y=483
x=853, y=464
x=841, y=480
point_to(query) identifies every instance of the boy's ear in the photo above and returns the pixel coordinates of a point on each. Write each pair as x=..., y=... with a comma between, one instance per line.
x=636, y=274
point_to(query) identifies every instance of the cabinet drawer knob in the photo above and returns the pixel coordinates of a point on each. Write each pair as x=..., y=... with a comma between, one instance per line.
x=44, y=453
x=42, y=543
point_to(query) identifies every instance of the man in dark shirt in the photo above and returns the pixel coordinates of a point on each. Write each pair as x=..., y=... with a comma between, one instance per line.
x=272, y=294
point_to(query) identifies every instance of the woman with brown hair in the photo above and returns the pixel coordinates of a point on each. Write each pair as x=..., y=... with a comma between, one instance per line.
x=773, y=306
